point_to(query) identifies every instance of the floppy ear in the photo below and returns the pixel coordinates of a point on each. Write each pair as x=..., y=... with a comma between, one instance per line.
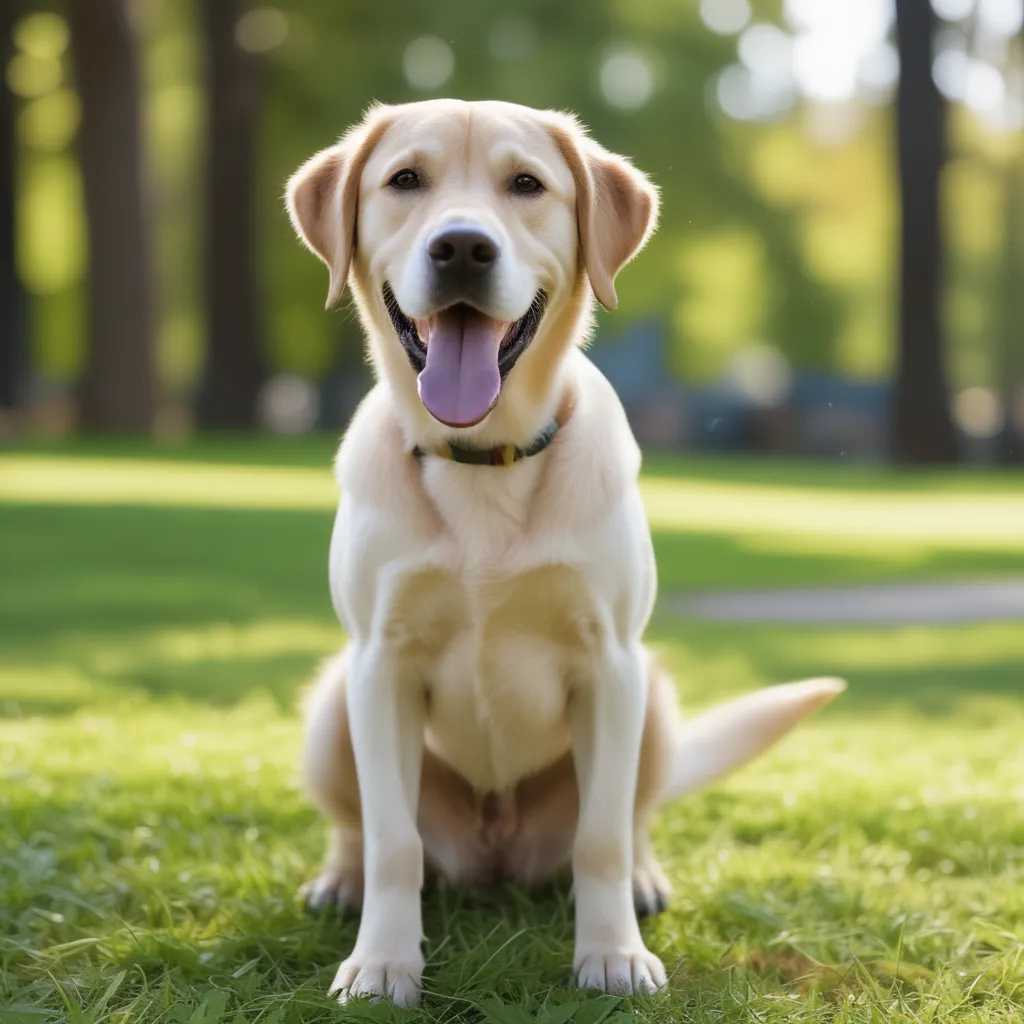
x=616, y=207
x=323, y=198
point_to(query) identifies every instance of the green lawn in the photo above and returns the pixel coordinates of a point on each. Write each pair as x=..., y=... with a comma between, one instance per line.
x=160, y=608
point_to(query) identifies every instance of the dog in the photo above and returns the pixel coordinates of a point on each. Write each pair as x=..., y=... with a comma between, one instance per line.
x=495, y=714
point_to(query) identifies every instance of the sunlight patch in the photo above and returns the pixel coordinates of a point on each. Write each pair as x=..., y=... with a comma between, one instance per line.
x=915, y=647
x=70, y=481
x=915, y=523
x=974, y=521
x=853, y=547
x=27, y=689
x=222, y=642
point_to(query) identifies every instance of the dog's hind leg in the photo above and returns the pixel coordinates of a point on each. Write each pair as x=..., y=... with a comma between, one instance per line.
x=651, y=888
x=454, y=838
x=330, y=774
x=548, y=805
x=676, y=757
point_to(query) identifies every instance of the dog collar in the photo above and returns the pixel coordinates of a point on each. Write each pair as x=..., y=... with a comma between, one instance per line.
x=500, y=455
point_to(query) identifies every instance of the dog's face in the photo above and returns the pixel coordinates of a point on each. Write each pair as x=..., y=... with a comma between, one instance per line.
x=466, y=227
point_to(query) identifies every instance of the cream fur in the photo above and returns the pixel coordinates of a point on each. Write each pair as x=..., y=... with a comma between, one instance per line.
x=495, y=712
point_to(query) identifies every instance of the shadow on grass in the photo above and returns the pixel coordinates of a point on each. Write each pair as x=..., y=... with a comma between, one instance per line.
x=106, y=604
x=936, y=692
x=934, y=671
x=975, y=672
x=709, y=561
x=216, y=683
x=94, y=569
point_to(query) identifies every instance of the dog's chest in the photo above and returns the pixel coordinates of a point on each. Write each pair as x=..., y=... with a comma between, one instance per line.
x=486, y=508
x=498, y=656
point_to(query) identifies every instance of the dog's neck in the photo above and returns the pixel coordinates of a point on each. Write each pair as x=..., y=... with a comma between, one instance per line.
x=503, y=454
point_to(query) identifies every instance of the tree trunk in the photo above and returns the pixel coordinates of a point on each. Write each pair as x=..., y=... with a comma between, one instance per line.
x=922, y=428
x=13, y=340
x=1011, y=364
x=119, y=393
x=234, y=360
x=1011, y=368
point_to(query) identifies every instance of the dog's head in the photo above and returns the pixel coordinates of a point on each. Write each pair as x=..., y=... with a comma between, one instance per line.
x=469, y=232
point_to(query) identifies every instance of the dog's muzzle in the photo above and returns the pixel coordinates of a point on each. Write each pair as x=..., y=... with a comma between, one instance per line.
x=462, y=356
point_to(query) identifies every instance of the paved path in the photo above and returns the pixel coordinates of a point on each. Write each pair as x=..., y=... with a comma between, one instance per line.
x=884, y=604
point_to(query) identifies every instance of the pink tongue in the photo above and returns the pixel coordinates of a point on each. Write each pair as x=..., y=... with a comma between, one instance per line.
x=461, y=380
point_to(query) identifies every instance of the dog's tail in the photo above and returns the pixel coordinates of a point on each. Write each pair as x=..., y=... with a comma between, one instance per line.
x=718, y=741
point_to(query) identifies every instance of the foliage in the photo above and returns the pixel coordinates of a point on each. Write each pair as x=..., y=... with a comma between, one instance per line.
x=772, y=231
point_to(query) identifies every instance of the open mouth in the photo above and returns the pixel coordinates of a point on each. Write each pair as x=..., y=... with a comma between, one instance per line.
x=462, y=356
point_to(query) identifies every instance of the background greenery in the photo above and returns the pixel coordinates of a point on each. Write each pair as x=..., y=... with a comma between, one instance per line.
x=162, y=604
x=781, y=230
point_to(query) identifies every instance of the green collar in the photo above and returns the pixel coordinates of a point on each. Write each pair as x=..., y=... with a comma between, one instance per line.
x=501, y=455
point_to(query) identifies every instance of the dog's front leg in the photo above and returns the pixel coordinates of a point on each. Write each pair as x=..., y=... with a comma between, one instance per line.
x=386, y=717
x=606, y=719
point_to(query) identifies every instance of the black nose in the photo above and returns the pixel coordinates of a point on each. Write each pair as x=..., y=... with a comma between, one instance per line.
x=462, y=249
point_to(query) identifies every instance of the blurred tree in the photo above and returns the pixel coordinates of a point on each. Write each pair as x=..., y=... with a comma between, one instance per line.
x=234, y=369
x=1011, y=448
x=922, y=426
x=339, y=57
x=13, y=343
x=119, y=392
x=1011, y=441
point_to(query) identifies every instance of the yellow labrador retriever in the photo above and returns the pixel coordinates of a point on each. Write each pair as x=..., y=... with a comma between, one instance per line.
x=495, y=713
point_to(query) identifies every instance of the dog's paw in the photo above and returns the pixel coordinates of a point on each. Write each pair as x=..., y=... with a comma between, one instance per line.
x=620, y=971
x=651, y=889
x=361, y=977
x=341, y=887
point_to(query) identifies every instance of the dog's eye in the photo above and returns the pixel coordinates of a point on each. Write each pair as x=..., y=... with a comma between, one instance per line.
x=405, y=179
x=526, y=183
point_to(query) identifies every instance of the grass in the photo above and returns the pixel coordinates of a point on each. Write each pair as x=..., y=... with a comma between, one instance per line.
x=160, y=611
